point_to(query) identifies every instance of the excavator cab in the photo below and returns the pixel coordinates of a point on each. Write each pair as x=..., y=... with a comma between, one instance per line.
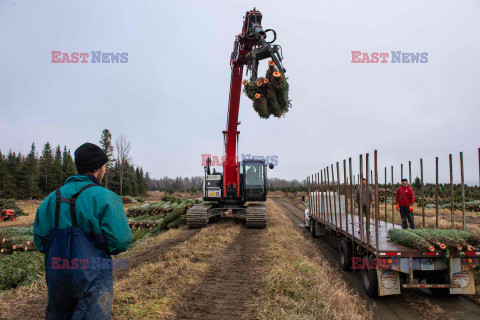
x=254, y=180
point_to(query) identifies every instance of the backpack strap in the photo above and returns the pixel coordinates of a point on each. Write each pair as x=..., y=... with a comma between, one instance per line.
x=71, y=201
x=57, y=206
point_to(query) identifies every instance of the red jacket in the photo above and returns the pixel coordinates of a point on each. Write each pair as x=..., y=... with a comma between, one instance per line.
x=404, y=196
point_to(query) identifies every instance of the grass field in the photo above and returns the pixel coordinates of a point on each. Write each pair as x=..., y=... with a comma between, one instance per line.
x=224, y=271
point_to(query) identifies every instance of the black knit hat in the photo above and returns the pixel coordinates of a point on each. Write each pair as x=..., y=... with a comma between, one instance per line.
x=89, y=157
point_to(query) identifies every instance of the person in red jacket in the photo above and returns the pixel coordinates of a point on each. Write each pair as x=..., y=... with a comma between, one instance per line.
x=405, y=199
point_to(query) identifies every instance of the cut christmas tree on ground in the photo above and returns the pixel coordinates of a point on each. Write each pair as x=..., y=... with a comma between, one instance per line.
x=269, y=94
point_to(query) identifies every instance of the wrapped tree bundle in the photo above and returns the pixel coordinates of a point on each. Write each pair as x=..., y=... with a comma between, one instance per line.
x=178, y=222
x=409, y=239
x=274, y=107
x=269, y=94
x=260, y=105
x=271, y=69
x=468, y=237
x=427, y=235
x=464, y=244
x=452, y=237
x=170, y=198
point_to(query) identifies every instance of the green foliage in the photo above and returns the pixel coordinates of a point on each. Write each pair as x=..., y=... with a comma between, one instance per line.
x=34, y=177
x=182, y=220
x=452, y=238
x=10, y=204
x=17, y=233
x=129, y=199
x=68, y=165
x=269, y=94
x=20, y=268
x=47, y=181
x=107, y=147
x=171, y=198
x=409, y=239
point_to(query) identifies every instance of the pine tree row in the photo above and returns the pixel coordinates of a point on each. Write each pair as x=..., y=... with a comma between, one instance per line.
x=34, y=176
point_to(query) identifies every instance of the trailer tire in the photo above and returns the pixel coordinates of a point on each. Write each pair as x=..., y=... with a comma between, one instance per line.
x=369, y=278
x=313, y=228
x=346, y=254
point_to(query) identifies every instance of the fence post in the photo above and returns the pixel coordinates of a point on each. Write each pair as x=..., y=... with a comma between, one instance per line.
x=352, y=200
x=423, y=193
x=360, y=202
x=463, y=191
x=452, y=206
x=367, y=201
x=376, y=200
x=386, y=197
x=436, y=192
x=323, y=199
x=410, y=172
x=339, y=198
x=334, y=197
x=345, y=190
x=393, y=195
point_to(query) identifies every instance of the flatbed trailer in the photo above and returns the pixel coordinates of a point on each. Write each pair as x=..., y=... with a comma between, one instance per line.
x=387, y=267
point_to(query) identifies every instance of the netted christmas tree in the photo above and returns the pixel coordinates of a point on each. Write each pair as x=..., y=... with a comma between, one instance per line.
x=269, y=94
x=430, y=237
x=442, y=238
x=410, y=239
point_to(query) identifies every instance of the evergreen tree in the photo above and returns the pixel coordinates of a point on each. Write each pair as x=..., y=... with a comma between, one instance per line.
x=417, y=184
x=107, y=146
x=68, y=165
x=31, y=173
x=57, y=173
x=13, y=173
x=7, y=183
x=142, y=185
x=46, y=170
x=31, y=177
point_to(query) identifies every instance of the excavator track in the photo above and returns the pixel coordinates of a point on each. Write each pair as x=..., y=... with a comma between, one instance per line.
x=256, y=216
x=197, y=216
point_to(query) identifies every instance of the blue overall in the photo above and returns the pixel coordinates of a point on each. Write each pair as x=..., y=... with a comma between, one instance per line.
x=78, y=270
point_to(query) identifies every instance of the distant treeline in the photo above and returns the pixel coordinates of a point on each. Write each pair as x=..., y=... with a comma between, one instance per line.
x=34, y=176
x=193, y=184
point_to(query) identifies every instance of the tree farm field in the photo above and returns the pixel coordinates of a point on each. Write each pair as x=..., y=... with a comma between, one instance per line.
x=223, y=271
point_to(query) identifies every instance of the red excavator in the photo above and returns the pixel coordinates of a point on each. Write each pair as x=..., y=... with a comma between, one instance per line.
x=244, y=181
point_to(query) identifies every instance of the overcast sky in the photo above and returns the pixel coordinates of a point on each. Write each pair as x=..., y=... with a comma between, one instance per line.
x=170, y=99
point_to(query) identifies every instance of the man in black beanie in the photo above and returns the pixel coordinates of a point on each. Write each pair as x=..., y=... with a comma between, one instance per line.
x=78, y=227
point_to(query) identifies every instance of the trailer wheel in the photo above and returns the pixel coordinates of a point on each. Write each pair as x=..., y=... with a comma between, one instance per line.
x=346, y=254
x=369, y=278
x=313, y=231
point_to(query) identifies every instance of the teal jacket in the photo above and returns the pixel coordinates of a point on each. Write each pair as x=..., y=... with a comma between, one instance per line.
x=100, y=214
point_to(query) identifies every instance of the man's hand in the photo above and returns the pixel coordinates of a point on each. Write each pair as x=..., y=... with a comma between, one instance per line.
x=397, y=207
x=410, y=208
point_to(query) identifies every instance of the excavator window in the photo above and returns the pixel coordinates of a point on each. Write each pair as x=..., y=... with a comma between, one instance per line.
x=254, y=178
